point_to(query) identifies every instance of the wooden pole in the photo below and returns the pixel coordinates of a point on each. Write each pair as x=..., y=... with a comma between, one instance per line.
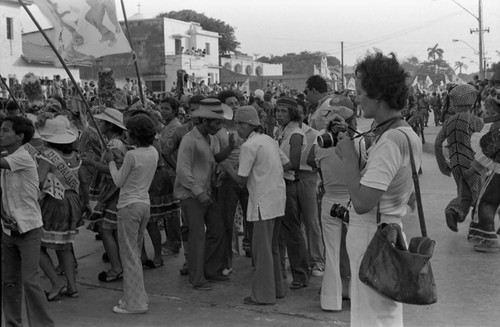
x=11, y=94
x=87, y=106
x=133, y=53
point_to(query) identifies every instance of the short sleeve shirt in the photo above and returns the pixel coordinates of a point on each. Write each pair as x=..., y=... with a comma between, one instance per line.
x=261, y=162
x=20, y=190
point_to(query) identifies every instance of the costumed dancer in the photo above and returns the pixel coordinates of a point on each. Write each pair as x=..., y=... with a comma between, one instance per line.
x=487, y=148
x=104, y=217
x=64, y=201
x=457, y=131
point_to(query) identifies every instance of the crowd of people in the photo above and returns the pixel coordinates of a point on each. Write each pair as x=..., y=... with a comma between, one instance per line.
x=308, y=186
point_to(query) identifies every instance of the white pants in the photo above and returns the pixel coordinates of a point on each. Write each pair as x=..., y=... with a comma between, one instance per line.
x=368, y=308
x=331, y=286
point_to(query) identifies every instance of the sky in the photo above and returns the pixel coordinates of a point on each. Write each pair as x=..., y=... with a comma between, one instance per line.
x=405, y=27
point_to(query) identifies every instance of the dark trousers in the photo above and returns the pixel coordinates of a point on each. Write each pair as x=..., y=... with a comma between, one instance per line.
x=229, y=193
x=293, y=236
x=20, y=270
x=267, y=283
x=205, y=246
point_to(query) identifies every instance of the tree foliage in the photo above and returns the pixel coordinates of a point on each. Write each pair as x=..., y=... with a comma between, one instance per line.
x=227, y=42
x=435, y=69
x=300, y=63
x=435, y=51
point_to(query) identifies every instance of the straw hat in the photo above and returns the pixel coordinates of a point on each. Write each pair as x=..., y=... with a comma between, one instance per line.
x=58, y=130
x=213, y=109
x=112, y=116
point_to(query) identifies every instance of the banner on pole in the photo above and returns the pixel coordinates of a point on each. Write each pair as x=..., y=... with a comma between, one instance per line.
x=84, y=29
x=245, y=87
x=428, y=82
x=352, y=84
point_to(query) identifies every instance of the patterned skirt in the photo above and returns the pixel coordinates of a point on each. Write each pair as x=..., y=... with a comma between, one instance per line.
x=104, y=214
x=61, y=220
x=161, y=195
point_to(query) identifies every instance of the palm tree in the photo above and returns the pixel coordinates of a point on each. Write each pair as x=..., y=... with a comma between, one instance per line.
x=460, y=65
x=435, y=51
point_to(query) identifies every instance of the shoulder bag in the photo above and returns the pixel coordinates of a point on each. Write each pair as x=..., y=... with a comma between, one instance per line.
x=399, y=273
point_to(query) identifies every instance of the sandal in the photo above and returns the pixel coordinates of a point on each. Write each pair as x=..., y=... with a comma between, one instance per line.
x=56, y=295
x=295, y=285
x=108, y=276
x=150, y=264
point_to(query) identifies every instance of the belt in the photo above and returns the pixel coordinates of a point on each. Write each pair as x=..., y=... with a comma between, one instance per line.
x=289, y=182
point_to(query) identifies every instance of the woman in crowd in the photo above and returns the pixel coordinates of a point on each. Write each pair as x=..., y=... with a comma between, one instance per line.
x=105, y=213
x=292, y=142
x=64, y=192
x=383, y=187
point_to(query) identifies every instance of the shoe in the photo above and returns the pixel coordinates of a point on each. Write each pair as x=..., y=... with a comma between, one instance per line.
x=73, y=294
x=54, y=296
x=451, y=219
x=295, y=285
x=474, y=240
x=202, y=287
x=150, y=264
x=317, y=271
x=107, y=276
x=249, y=300
x=168, y=252
x=227, y=271
x=184, y=270
x=490, y=246
x=120, y=309
x=217, y=278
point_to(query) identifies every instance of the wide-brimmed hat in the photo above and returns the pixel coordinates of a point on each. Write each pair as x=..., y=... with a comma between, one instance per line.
x=213, y=109
x=112, y=116
x=247, y=114
x=58, y=130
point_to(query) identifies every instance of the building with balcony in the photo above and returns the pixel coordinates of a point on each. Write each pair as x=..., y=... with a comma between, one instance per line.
x=25, y=53
x=163, y=46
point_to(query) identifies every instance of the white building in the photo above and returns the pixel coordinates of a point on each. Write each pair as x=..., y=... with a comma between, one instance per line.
x=164, y=46
x=244, y=64
x=19, y=56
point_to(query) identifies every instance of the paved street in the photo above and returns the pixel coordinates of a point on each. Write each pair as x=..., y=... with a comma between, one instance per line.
x=467, y=281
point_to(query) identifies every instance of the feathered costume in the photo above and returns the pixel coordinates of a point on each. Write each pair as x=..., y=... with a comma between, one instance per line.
x=457, y=131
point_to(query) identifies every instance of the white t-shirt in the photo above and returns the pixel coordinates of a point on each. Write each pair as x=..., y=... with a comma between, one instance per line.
x=284, y=138
x=262, y=163
x=20, y=191
x=135, y=175
x=389, y=169
x=310, y=134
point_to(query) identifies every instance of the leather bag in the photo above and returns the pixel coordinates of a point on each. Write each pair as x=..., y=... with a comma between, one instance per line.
x=399, y=273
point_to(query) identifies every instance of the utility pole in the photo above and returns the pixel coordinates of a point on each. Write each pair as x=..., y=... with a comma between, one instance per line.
x=342, y=64
x=480, y=31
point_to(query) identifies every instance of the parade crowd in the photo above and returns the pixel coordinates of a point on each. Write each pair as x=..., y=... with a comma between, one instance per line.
x=198, y=167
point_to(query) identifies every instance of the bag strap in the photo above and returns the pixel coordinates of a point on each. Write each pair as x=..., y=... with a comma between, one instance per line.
x=420, y=209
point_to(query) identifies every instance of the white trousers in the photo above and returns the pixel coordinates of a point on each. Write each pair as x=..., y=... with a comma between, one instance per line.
x=368, y=308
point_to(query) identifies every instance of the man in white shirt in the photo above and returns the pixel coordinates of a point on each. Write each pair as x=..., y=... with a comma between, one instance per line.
x=261, y=170
x=21, y=227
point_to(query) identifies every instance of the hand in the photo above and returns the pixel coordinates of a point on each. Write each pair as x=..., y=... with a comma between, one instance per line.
x=86, y=160
x=345, y=149
x=205, y=199
x=9, y=222
x=108, y=156
x=87, y=211
x=226, y=166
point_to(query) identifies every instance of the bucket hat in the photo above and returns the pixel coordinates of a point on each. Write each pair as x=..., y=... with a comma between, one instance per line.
x=247, y=114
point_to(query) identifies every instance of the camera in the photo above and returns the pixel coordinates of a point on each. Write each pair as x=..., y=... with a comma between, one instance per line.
x=330, y=137
x=340, y=211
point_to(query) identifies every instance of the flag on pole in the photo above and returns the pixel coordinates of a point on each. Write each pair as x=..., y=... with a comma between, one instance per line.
x=446, y=80
x=84, y=32
x=323, y=70
x=316, y=70
x=457, y=80
x=245, y=87
x=428, y=82
x=344, y=82
x=352, y=84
